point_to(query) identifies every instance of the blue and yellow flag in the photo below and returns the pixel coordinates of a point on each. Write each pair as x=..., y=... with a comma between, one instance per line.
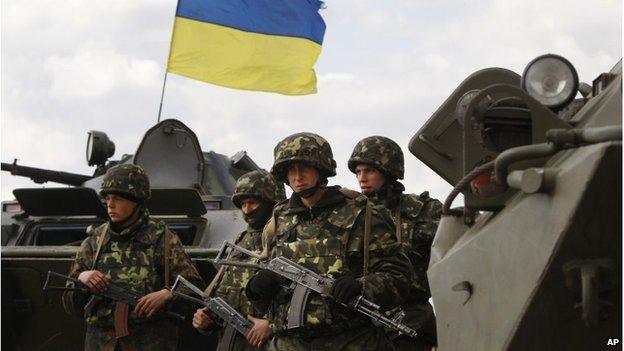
x=267, y=45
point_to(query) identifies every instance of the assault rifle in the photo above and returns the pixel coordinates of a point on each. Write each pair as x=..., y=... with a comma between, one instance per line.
x=228, y=316
x=303, y=281
x=124, y=298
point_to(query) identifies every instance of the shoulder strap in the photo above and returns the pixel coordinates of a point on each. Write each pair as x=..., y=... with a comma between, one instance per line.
x=166, y=258
x=100, y=243
x=217, y=278
x=397, y=221
x=267, y=235
x=367, y=232
x=351, y=194
x=215, y=281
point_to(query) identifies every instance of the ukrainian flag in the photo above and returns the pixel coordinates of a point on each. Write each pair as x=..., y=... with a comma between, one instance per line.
x=267, y=45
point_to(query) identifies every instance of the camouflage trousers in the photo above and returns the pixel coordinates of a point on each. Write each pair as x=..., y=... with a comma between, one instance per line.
x=364, y=338
x=420, y=317
x=159, y=335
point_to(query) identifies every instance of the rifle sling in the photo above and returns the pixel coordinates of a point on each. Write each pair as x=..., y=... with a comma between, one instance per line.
x=397, y=223
x=215, y=281
x=268, y=234
x=166, y=259
x=367, y=232
x=298, y=303
x=100, y=243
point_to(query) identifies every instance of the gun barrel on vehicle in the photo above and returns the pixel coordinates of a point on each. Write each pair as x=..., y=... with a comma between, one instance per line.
x=40, y=175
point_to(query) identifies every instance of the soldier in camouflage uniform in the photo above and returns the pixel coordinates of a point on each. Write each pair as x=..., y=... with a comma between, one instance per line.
x=378, y=164
x=323, y=229
x=255, y=194
x=129, y=250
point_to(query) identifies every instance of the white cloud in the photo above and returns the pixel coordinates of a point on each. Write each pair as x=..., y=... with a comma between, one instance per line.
x=335, y=78
x=94, y=70
x=69, y=67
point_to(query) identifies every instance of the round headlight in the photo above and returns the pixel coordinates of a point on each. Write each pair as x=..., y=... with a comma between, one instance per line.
x=99, y=148
x=551, y=80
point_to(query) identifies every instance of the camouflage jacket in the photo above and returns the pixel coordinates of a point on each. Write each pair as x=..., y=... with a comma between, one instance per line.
x=418, y=217
x=231, y=284
x=132, y=258
x=328, y=239
x=231, y=281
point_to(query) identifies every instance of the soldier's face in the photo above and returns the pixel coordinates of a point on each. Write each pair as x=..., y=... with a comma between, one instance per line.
x=302, y=176
x=119, y=209
x=249, y=204
x=369, y=178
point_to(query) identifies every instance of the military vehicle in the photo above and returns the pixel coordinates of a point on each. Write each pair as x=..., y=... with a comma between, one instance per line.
x=532, y=261
x=43, y=227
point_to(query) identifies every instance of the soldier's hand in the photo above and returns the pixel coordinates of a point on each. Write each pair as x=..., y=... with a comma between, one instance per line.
x=259, y=333
x=96, y=281
x=201, y=319
x=263, y=286
x=152, y=303
x=346, y=288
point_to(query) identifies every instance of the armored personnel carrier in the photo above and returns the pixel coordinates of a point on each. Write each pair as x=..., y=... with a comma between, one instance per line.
x=43, y=227
x=532, y=261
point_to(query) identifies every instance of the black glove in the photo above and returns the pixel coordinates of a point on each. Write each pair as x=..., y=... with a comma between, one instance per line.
x=346, y=288
x=263, y=286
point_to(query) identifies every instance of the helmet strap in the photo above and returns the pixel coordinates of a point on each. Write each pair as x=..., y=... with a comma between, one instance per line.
x=311, y=191
x=128, y=222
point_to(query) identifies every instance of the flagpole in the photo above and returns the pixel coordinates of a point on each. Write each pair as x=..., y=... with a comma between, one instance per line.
x=162, y=94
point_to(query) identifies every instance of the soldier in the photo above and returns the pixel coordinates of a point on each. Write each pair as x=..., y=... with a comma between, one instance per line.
x=324, y=229
x=137, y=252
x=255, y=194
x=378, y=164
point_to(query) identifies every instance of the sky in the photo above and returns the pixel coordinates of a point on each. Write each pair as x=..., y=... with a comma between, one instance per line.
x=68, y=67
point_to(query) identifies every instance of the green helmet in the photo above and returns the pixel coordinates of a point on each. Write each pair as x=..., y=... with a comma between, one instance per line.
x=380, y=152
x=303, y=147
x=127, y=180
x=260, y=184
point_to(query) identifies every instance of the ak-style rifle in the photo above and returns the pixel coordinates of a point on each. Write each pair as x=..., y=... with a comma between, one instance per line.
x=124, y=297
x=228, y=316
x=303, y=281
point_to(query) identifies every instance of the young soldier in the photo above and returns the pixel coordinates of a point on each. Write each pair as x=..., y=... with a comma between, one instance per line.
x=255, y=194
x=378, y=165
x=137, y=252
x=323, y=229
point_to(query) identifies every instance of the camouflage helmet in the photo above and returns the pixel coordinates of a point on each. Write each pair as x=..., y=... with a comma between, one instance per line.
x=260, y=184
x=380, y=152
x=127, y=180
x=303, y=147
